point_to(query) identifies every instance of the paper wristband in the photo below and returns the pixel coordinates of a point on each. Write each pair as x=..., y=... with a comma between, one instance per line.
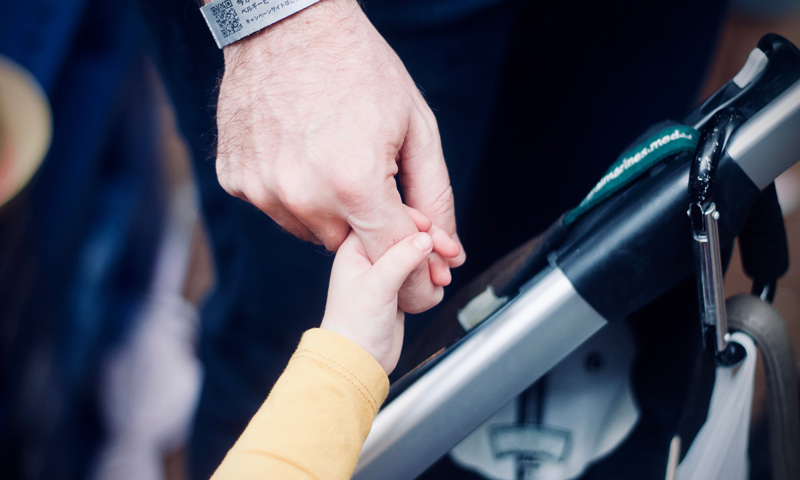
x=232, y=20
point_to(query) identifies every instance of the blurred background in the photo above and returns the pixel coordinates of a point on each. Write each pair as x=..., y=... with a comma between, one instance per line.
x=103, y=256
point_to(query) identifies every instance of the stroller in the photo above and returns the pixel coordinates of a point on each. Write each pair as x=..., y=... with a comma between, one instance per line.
x=629, y=245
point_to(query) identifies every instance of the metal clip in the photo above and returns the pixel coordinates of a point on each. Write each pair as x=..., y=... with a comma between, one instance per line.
x=704, y=219
x=709, y=274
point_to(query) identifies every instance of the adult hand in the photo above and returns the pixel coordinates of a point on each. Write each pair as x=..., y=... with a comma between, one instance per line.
x=316, y=116
x=362, y=297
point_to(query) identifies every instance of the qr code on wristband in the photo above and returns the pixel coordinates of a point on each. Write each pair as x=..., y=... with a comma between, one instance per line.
x=226, y=18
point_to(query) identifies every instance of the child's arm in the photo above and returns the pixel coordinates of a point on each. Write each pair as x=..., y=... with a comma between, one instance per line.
x=319, y=413
x=316, y=417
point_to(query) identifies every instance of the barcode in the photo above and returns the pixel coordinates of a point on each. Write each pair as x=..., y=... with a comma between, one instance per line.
x=226, y=18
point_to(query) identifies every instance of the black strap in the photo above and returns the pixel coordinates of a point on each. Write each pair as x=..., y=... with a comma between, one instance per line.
x=765, y=251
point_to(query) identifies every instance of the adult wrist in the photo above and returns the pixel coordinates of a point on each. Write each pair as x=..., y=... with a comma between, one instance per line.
x=296, y=33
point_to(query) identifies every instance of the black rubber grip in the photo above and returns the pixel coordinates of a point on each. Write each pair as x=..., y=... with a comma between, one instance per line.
x=627, y=254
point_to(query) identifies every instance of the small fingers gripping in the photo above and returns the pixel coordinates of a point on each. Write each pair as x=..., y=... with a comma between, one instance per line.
x=443, y=244
x=447, y=251
x=391, y=270
x=363, y=297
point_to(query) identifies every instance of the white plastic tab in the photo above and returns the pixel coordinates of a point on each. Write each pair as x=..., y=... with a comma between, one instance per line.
x=479, y=308
x=753, y=66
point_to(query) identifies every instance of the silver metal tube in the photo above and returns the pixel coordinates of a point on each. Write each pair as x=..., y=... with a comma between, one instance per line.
x=502, y=357
x=769, y=143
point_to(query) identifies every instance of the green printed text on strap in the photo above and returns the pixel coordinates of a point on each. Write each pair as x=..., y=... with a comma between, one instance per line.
x=665, y=143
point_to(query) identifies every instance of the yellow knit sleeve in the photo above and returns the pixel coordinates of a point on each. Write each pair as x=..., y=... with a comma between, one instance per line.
x=316, y=417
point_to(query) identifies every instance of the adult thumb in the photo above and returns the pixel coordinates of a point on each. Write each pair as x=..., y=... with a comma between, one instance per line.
x=423, y=173
x=390, y=271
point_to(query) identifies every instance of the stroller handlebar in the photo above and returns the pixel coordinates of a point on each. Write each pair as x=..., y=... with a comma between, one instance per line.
x=773, y=133
x=603, y=271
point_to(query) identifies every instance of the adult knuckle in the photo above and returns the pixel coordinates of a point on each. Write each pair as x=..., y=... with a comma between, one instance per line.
x=298, y=200
x=350, y=185
x=230, y=181
x=332, y=234
x=258, y=193
x=227, y=182
x=335, y=238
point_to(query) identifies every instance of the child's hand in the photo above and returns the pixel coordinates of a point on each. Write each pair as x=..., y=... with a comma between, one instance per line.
x=362, y=297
